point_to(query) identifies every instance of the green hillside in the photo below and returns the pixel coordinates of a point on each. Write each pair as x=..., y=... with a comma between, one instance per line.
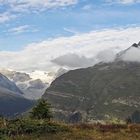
x=104, y=91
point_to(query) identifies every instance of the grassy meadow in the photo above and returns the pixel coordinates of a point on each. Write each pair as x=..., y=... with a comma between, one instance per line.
x=26, y=129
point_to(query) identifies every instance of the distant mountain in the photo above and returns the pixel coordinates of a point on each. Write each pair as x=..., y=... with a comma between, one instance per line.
x=7, y=84
x=31, y=87
x=34, y=84
x=15, y=76
x=12, y=101
x=104, y=91
x=12, y=104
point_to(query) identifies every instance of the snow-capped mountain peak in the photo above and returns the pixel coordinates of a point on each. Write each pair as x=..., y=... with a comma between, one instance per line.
x=46, y=77
x=32, y=84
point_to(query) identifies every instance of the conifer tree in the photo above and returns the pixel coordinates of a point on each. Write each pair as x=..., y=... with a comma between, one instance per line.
x=41, y=110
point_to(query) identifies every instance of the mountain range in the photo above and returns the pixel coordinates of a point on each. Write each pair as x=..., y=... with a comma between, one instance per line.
x=102, y=92
x=32, y=85
x=12, y=102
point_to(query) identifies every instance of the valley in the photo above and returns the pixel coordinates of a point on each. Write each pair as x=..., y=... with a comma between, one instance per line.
x=69, y=69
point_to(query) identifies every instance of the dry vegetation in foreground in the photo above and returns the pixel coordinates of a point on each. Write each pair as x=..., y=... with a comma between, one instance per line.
x=87, y=132
x=40, y=126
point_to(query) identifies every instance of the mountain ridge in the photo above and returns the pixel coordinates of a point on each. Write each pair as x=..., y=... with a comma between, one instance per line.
x=100, y=92
x=12, y=102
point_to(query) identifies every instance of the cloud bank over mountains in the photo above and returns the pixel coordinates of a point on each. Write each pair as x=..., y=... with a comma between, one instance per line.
x=72, y=60
x=80, y=50
x=132, y=54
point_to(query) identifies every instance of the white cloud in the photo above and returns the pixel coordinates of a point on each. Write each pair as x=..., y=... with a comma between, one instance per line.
x=16, y=7
x=23, y=5
x=6, y=16
x=19, y=29
x=87, y=7
x=132, y=55
x=106, y=56
x=38, y=56
x=123, y=1
x=73, y=31
x=72, y=60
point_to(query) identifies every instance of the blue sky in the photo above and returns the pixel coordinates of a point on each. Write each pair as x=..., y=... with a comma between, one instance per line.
x=33, y=22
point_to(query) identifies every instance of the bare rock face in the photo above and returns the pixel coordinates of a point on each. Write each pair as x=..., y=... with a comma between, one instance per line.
x=135, y=45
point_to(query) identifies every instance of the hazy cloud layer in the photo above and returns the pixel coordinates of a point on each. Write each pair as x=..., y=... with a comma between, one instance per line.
x=132, y=55
x=106, y=56
x=78, y=50
x=73, y=60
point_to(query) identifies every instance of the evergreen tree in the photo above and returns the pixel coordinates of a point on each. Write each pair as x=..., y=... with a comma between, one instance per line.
x=41, y=110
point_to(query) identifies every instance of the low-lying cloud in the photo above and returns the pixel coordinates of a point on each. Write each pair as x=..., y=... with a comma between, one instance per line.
x=106, y=56
x=131, y=55
x=80, y=50
x=72, y=60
